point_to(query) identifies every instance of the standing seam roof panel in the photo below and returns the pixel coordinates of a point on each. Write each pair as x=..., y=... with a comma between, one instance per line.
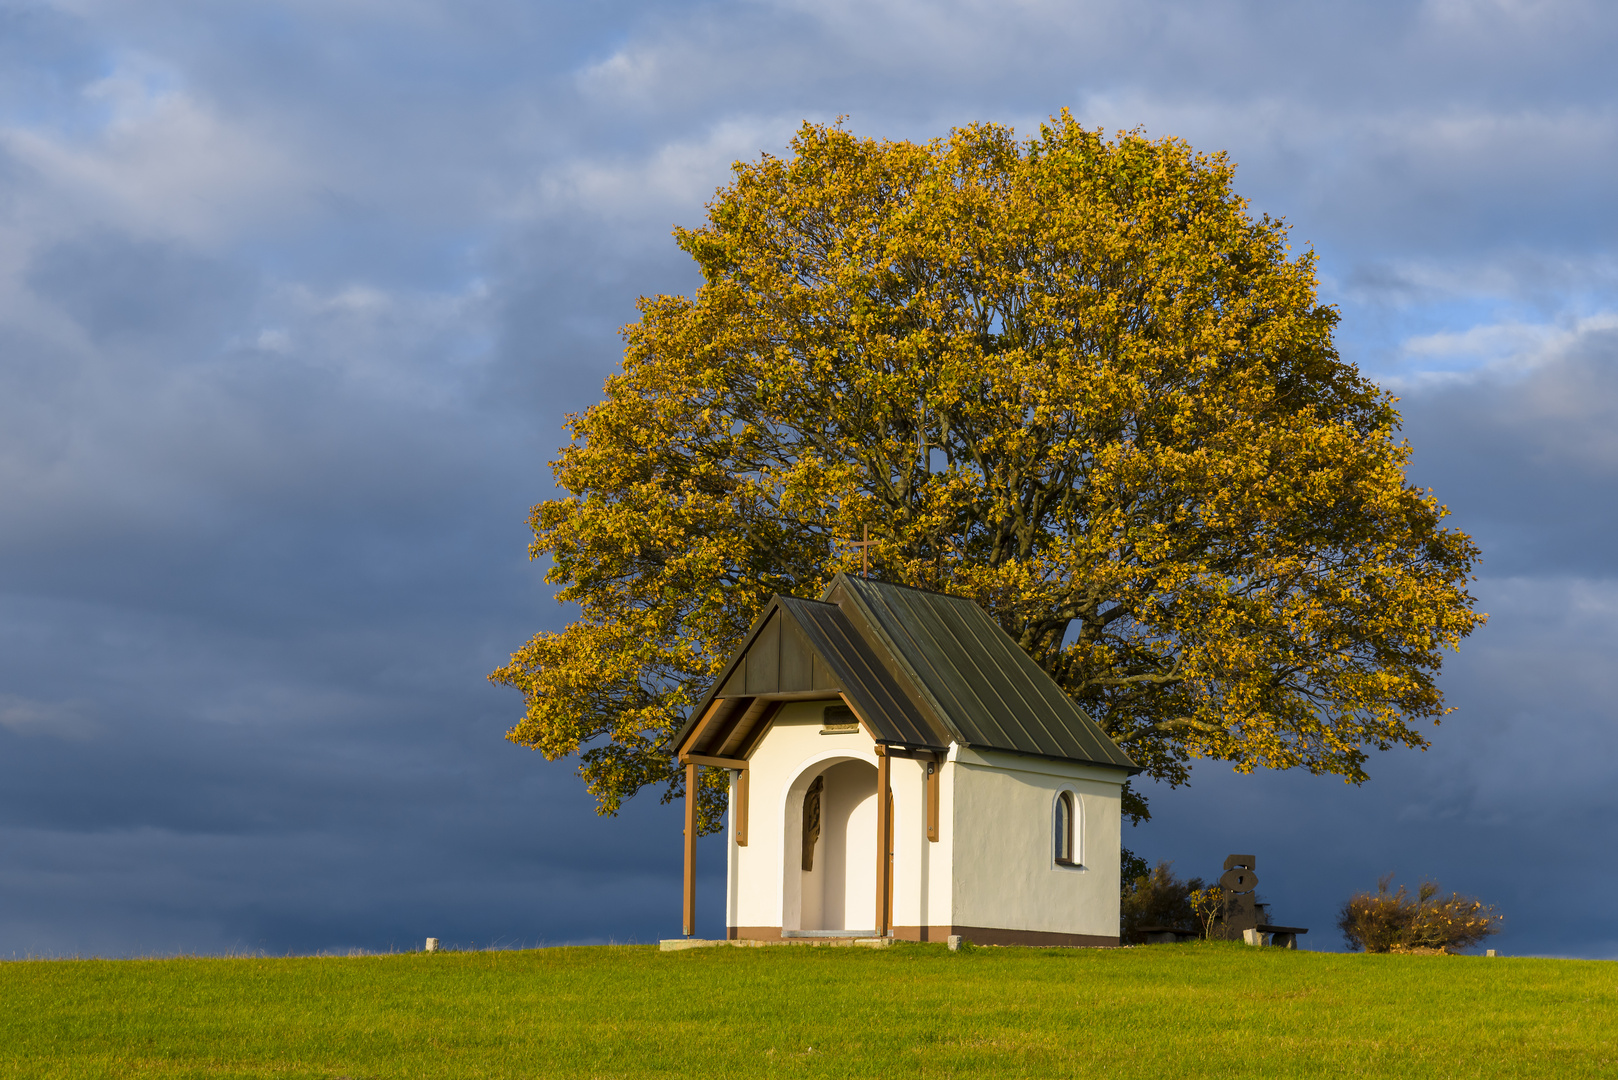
x=1045, y=690
x=1015, y=710
x=932, y=664
x=991, y=679
x=1008, y=707
x=990, y=690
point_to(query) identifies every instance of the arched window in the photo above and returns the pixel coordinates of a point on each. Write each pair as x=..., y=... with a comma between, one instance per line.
x=1065, y=829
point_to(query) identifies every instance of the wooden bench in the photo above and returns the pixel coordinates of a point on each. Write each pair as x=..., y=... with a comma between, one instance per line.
x=1282, y=937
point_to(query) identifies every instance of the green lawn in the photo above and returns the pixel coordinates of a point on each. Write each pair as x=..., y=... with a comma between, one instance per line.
x=918, y=1010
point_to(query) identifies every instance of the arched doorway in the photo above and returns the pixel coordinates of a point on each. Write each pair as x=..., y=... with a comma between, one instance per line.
x=834, y=888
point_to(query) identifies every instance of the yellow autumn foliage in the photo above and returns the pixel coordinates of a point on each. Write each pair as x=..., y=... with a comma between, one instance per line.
x=1072, y=378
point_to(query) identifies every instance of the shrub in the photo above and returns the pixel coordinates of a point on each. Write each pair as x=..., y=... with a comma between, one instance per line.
x=1159, y=899
x=1132, y=867
x=1209, y=907
x=1397, y=922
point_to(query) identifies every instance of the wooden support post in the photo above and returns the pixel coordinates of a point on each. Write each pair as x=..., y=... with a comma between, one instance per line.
x=887, y=914
x=933, y=769
x=690, y=891
x=739, y=811
x=884, y=848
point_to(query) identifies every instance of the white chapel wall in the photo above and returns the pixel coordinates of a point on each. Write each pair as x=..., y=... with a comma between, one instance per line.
x=1006, y=874
x=921, y=868
x=768, y=887
x=766, y=879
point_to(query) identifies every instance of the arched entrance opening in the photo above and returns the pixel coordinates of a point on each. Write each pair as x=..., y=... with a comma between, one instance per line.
x=830, y=868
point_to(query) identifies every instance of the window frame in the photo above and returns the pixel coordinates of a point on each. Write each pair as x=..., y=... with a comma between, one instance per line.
x=1073, y=859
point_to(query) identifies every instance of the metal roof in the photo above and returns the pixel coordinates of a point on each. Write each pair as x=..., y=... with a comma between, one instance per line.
x=922, y=669
x=976, y=679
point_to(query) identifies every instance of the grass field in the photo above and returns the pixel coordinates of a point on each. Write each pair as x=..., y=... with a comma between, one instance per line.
x=1163, y=1011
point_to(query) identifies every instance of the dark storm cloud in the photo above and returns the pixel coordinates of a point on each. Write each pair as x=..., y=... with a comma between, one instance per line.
x=567, y=290
x=114, y=287
x=293, y=298
x=1529, y=461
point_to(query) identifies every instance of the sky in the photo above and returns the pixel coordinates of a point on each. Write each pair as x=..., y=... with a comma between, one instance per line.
x=294, y=297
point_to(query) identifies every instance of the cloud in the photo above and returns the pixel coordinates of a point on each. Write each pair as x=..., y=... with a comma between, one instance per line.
x=159, y=161
x=1501, y=352
x=1525, y=451
x=293, y=298
x=62, y=720
x=115, y=287
x=669, y=177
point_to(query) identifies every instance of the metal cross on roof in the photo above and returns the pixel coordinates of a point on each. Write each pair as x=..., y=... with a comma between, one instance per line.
x=864, y=544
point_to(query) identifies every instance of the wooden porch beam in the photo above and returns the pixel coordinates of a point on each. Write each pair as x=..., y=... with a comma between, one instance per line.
x=702, y=725
x=718, y=762
x=755, y=730
x=740, y=809
x=740, y=729
x=919, y=753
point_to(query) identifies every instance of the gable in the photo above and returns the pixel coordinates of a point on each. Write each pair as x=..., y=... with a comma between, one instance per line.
x=804, y=649
x=778, y=660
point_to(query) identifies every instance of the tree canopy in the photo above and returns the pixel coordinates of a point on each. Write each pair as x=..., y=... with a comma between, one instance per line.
x=1071, y=378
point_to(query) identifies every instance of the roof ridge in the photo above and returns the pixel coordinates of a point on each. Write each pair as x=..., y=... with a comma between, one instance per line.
x=899, y=585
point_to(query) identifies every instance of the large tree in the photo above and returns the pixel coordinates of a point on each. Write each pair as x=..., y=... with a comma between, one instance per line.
x=1071, y=378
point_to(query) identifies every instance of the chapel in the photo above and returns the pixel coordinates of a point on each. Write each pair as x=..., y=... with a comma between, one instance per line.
x=901, y=768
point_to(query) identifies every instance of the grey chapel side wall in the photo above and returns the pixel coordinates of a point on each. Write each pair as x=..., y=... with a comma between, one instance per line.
x=1004, y=860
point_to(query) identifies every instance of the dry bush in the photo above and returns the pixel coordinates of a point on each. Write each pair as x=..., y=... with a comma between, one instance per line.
x=1397, y=922
x=1159, y=899
x=1209, y=907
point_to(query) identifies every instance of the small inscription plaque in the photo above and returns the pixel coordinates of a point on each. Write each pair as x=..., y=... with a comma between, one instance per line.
x=838, y=720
